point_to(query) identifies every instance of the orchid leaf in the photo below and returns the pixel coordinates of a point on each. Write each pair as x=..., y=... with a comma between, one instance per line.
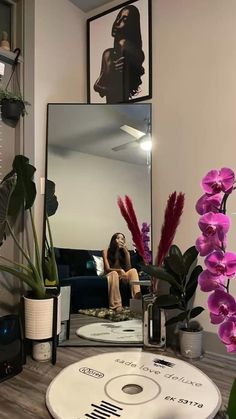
x=176, y=319
x=175, y=250
x=177, y=292
x=195, y=312
x=189, y=257
x=25, y=190
x=175, y=263
x=51, y=199
x=166, y=301
x=193, y=282
x=160, y=273
x=6, y=189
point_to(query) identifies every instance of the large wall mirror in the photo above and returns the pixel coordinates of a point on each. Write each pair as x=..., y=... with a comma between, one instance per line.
x=95, y=154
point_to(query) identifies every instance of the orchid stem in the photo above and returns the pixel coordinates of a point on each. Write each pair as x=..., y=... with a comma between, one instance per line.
x=227, y=286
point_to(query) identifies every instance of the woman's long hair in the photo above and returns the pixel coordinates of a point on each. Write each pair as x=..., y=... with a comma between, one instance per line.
x=111, y=253
x=132, y=32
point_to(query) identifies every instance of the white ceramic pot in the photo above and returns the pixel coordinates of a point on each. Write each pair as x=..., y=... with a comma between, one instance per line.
x=42, y=351
x=39, y=318
x=190, y=343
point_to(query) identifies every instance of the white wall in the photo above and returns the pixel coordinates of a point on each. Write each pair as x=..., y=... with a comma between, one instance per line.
x=87, y=188
x=60, y=69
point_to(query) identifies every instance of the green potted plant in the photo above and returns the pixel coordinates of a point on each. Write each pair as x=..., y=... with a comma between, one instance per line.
x=181, y=273
x=13, y=106
x=17, y=194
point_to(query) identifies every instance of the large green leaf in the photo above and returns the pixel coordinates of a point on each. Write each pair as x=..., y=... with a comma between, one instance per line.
x=38, y=288
x=177, y=292
x=51, y=199
x=160, y=273
x=195, y=312
x=232, y=402
x=25, y=190
x=175, y=263
x=181, y=317
x=189, y=257
x=166, y=301
x=175, y=250
x=6, y=189
x=193, y=282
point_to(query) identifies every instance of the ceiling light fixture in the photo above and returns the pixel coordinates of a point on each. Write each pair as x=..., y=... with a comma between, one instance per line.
x=146, y=142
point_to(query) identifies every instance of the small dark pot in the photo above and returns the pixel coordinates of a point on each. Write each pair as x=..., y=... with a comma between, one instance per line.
x=12, y=110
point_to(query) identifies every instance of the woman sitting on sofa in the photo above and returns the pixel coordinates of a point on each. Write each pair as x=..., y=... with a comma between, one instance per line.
x=117, y=267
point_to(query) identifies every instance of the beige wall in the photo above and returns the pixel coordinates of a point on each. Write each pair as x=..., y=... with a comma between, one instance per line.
x=194, y=102
x=194, y=94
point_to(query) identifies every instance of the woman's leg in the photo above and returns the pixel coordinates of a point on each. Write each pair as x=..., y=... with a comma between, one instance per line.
x=114, y=291
x=132, y=276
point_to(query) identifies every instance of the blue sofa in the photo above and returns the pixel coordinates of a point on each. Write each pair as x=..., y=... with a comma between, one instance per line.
x=76, y=267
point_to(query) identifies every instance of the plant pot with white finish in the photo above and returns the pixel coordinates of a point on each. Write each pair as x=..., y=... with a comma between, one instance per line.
x=191, y=340
x=17, y=196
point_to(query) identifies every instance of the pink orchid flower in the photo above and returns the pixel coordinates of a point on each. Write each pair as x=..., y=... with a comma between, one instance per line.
x=217, y=181
x=227, y=333
x=206, y=245
x=221, y=305
x=208, y=203
x=212, y=224
x=209, y=282
x=220, y=263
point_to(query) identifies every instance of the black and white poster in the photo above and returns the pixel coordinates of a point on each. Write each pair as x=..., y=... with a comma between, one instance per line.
x=119, y=54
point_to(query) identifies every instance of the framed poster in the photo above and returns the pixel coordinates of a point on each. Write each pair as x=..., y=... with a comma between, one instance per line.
x=119, y=54
x=7, y=12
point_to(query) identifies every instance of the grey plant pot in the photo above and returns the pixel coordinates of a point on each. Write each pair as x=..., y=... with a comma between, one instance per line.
x=191, y=343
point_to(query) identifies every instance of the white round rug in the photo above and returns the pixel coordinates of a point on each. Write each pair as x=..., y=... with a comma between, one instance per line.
x=132, y=385
x=129, y=331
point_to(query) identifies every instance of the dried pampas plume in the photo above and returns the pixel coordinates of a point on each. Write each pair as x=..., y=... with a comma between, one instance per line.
x=127, y=211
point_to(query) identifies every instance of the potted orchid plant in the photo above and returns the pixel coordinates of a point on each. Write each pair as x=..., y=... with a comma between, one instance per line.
x=220, y=264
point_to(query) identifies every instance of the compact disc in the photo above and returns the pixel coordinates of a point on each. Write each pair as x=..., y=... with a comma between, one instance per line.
x=132, y=384
x=129, y=331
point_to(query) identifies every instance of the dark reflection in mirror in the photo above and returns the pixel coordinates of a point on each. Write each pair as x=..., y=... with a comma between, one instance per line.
x=94, y=155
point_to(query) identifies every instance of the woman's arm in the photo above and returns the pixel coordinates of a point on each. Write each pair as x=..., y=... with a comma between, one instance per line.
x=107, y=267
x=127, y=257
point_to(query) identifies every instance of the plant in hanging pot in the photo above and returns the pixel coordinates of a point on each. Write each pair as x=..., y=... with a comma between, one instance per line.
x=13, y=106
x=17, y=195
x=181, y=273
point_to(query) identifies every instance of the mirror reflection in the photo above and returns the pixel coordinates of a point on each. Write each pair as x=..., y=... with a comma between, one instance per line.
x=95, y=154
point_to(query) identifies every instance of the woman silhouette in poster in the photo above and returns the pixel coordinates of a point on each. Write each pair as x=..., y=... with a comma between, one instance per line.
x=121, y=68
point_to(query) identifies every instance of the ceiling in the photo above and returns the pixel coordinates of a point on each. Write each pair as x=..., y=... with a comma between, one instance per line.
x=95, y=129
x=88, y=5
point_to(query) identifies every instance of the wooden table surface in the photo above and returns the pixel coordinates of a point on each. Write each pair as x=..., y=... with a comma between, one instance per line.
x=23, y=396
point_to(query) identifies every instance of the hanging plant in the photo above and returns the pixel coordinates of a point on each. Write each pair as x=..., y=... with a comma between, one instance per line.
x=13, y=105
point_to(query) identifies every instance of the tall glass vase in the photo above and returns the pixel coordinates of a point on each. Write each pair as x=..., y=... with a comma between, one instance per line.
x=154, y=330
